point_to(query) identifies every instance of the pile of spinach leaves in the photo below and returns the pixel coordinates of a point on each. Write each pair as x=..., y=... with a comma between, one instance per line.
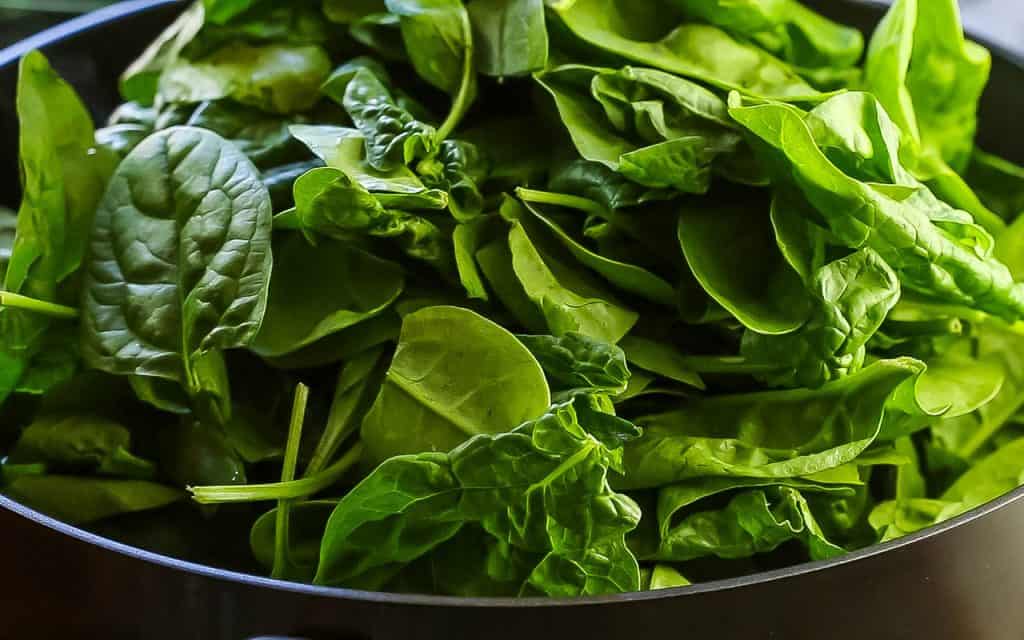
x=516, y=297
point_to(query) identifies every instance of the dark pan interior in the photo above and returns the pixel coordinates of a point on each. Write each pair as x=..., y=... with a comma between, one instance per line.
x=959, y=580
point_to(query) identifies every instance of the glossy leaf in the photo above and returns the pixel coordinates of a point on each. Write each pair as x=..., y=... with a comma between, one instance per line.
x=455, y=375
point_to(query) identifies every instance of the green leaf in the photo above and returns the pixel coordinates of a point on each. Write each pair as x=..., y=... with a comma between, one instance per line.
x=852, y=296
x=665, y=577
x=141, y=81
x=84, y=500
x=330, y=202
x=627, y=277
x=998, y=182
x=511, y=36
x=352, y=287
x=541, y=489
x=344, y=149
x=652, y=36
x=307, y=521
x=654, y=128
x=965, y=436
x=752, y=522
x=775, y=434
x=575, y=361
x=568, y=301
x=455, y=375
x=393, y=136
x=275, y=78
x=785, y=28
x=436, y=36
x=199, y=454
x=661, y=359
x=929, y=77
x=222, y=11
x=80, y=443
x=264, y=138
x=751, y=280
x=63, y=178
x=459, y=169
x=197, y=251
x=942, y=265
x=349, y=11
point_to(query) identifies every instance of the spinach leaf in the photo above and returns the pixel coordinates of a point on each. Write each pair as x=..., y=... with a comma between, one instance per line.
x=263, y=137
x=654, y=128
x=307, y=521
x=455, y=374
x=355, y=286
x=627, y=277
x=80, y=443
x=83, y=500
x=595, y=181
x=199, y=454
x=966, y=435
x=783, y=27
x=344, y=149
x=276, y=78
x=329, y=202
x=661, y=359
x=998, y=183
x=541, y=488
x=929, y=78
x=222, y=11
x=565, y=297
x=751, y=280
x=776, y=434
x=852, y=297
x=179, y=266
x=665, y=577
x=439, y=40
x=63, y=177
x=457, y=168
x=650, y=36
x=380, y=32
x=393, y=136
x=888, y=220
x=141, y=80
x=576, y=361
x=511, y=36
x=752, y=522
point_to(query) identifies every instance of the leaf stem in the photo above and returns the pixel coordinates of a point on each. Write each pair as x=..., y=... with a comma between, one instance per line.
x=466, y=88
x=221, y=494
x=51, y=309
x=291, y=460
x=562, y=200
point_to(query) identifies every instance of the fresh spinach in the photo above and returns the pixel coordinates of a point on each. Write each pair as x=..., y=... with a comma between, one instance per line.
x=179, y=267
x=455, y=374
x=563, y=298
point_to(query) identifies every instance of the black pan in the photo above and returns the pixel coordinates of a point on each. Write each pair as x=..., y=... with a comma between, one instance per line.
x=961, y=580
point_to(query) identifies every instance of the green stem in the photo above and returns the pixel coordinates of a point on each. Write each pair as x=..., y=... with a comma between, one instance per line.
x=466, y=88
x=732, y=365
x=562, y=200
x=291, y=460
x=936, y=327
x=279, y=490
x=52, y=309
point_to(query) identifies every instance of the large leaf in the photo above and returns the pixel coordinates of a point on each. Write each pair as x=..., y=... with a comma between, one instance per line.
x=455, y=375
x=780, y=434
x=180, y=261
x=352, y=286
